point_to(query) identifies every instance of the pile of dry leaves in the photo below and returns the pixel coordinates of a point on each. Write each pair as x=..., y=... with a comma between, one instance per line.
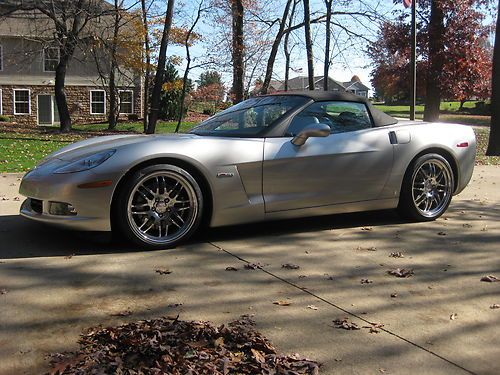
x=172, y=346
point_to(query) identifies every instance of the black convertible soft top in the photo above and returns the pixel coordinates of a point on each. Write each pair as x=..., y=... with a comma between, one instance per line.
x=379, y=118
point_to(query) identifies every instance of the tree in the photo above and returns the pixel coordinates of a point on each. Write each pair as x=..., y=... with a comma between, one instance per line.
x=494, y=141
x=188, y=40
x=275, y=46
x=147, y=68
x=326, y=67
x=309, y=50
x=460, y=73
x=208, y=78
x=435, y=60
x=286, y=49
x=160, y=69
x=238, y=50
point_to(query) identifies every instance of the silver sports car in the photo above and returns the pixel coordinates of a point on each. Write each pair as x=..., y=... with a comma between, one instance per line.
x=270, y=157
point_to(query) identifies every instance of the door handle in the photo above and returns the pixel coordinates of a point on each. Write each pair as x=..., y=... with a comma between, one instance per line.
x=393, y=138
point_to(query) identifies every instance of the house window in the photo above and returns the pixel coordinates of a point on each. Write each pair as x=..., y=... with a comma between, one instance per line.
x=97, y=102
x=22, y=102
x=126, y=102
x=50, y=59
x=1, y=57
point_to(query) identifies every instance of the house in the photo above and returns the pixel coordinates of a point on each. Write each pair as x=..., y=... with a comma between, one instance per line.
x=301, y=83
x=28, y=59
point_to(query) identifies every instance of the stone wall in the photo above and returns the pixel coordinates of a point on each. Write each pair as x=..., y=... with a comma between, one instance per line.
x=78, y=98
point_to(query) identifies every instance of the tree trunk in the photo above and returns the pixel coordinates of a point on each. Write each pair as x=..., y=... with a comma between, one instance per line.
x=238, y=49
x=462, y=102
x=285, y=46
x=435, y=70
x=113, y=100
x=188, y=67
x=326, y=69
x=147, y=73
x=160, y=70
x=494, y=141
x=309, y=50
x=61, y=101
x=274, y=49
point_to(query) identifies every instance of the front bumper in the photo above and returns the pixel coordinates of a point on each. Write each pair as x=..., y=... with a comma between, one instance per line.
x=93, y=206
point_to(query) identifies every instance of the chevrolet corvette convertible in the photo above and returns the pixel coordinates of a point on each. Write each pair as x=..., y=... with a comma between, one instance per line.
x=285, y=155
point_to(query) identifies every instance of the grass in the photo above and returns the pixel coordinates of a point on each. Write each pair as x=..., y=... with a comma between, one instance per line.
x=449, y=113
x=21, y=150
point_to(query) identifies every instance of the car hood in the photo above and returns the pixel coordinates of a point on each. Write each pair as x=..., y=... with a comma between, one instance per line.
x=97, y=144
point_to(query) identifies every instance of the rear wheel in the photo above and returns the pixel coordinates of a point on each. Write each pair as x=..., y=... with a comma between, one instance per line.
x=427, y=188
x=159, y=206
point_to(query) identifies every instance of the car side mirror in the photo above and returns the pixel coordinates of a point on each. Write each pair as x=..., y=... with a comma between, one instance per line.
x=313, y=130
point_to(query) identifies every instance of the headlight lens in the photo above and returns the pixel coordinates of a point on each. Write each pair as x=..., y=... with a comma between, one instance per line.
x=86, y=163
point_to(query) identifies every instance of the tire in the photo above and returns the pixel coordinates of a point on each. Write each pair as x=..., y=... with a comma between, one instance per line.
x=159, y=206
x=427, y=188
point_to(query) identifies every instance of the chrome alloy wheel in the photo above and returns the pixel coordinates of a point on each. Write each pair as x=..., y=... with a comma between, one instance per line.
x=432, y=185
x=162, y=207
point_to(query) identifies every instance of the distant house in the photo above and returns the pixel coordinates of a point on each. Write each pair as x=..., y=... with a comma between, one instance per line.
x=27, y=74
x=301, y=83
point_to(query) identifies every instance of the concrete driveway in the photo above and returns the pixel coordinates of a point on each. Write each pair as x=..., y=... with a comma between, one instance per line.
x=53, y=284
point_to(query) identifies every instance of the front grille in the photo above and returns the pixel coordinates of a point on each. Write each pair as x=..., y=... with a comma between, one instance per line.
x=36, y=205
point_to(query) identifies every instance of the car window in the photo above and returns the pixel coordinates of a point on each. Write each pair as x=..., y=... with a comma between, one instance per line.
x=340, y=116
x=250, y=117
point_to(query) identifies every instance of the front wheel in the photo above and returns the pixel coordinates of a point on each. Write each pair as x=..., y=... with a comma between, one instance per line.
x=159, y=206
x=427, y=188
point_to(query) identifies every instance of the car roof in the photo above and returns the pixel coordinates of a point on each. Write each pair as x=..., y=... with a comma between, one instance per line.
x=379, y=118
x=320, y=95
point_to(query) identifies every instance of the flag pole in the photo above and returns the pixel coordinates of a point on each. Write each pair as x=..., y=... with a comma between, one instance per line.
x=413, y=63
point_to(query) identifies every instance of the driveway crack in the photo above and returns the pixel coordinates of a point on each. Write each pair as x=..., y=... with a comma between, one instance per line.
x=388, y=331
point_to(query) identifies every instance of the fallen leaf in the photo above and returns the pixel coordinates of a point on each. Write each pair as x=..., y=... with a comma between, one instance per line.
x=453, y=316
x=401, y=272
x=281, y=303
x=345, y=323
x=231, y=269
x=374, y=327
x=371, y=248
x=302, y=276
x=122, y=313
x=398, y=254
x=5, y=198
x=252, y=266
x=290, y=266
x=219, y=342
x=490, y=279
x=163, y=271
x=441, y=233
x=466, y=225
x=366, y=281
x=3, y=291
x=312, y=307
x=495, y=306
x=367, y=228
x=258, y=356
x=69, y=256
x=394, y=295
x=172, y=305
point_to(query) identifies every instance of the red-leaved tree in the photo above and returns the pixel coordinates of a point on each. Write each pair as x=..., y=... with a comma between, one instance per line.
x=454, y=65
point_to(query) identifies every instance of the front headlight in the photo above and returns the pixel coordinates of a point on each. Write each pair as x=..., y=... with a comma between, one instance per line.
x=86, y=163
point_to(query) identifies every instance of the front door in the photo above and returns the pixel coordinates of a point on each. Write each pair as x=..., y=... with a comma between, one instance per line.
x=350, y=165
x=47, y=110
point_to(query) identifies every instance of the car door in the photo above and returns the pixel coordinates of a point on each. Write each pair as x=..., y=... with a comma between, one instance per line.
x=352, y=164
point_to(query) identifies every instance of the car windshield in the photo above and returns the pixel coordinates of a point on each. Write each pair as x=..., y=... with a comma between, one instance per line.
x=250, y=117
